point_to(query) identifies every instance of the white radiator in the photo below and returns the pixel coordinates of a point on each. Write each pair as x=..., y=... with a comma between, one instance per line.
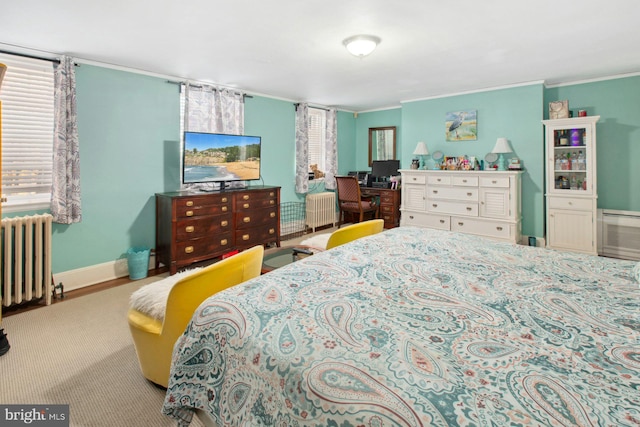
x=25, y=263
x=619, y=234
x=321, y=209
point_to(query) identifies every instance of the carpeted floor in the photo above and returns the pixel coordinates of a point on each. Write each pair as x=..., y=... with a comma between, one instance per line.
x=79, y=352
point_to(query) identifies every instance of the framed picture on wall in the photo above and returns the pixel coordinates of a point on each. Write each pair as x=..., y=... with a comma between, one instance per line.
x=462, y=125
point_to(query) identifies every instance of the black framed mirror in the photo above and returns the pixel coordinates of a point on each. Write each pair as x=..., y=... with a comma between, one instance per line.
x=382, y=143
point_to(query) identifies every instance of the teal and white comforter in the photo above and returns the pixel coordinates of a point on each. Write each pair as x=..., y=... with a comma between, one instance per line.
x=417, y=327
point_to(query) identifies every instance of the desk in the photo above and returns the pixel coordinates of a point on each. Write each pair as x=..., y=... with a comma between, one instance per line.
x=389, y=204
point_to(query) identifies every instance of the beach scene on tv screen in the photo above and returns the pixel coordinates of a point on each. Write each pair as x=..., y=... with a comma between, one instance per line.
x=210, y=157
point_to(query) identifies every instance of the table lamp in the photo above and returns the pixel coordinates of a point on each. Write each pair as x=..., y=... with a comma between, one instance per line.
x=502, y=146
x=421, y=150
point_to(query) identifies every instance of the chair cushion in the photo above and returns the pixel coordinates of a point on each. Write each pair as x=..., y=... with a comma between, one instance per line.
x=151, y=299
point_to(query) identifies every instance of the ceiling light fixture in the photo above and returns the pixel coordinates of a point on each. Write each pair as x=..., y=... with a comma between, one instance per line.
x=361, y=45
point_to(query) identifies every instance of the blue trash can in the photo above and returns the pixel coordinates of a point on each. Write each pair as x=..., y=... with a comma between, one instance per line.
x=138, y=262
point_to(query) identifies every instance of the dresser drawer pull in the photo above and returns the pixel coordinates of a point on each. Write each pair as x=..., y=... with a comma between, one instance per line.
x=189, y=229
x=272, y=202
x=224, y=223
x=272, y=194
x=245, y=237
x=415, y=179
x=442, y=221
x=272, y=231
x=469, y=194
x=411, y=216
x=189, y=203
x=570, y=203
x=499, y=228
x=246, y=206
x=438, y=180
x=494, y=182
x=223, y=242
x=434, y=205
x=464, y=180
x=246, y=219
x=435, y=191
x=272, y=214
x=461, y=224
x=189, y=213
x=469, y=208
x=224, y=209
x=188, y=249
x=224, y=200
x=245, y=197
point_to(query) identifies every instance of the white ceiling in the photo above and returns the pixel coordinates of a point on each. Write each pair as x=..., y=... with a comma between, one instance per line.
x=293, y=49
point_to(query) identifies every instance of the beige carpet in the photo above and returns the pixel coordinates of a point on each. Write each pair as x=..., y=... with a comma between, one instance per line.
x=79, y=352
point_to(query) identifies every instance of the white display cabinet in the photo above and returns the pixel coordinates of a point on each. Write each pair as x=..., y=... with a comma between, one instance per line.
x=571, y=184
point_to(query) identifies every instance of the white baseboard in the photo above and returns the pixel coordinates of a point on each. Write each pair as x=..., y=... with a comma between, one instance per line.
x=92, y=275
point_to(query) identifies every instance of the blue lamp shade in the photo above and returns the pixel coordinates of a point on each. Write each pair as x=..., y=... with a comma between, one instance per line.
x=502, y=147
x=421, y=150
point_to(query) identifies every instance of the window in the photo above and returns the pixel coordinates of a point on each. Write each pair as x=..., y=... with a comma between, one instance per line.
x=27, y=133
x=317, y=137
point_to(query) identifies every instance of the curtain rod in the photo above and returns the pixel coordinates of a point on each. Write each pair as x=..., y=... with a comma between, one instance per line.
x=25, y=55
x=295, y=104
x=201, y=86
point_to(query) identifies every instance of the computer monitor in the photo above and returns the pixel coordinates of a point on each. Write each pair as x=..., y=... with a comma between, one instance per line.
x=385, y=168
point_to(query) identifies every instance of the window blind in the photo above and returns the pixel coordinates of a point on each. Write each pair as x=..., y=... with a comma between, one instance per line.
x=317, y=119
x=27, y=132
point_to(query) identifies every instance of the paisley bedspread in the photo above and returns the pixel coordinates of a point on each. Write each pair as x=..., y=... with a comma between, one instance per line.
x=417, y=327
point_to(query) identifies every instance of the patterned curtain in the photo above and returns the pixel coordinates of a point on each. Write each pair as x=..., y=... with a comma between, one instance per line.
x=331, y=150
x=65, y=193
x=208, y=109
x=302, y=148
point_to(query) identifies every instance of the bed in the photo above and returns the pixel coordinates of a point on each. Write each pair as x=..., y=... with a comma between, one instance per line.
x=418, y=327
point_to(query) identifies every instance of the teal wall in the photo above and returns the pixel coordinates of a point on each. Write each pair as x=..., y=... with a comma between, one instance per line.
x=376, y=119
x=513, y=113
x=129, y=142
x=617, y=136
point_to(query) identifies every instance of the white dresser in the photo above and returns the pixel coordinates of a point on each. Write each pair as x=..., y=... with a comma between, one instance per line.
x=486, y=203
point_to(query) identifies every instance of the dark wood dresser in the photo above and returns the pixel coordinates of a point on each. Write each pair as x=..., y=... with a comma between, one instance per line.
x=194, y=226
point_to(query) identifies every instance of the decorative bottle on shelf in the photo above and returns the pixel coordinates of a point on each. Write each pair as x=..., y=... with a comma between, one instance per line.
x=584, y=137
x=558, y=162
x=582, y=165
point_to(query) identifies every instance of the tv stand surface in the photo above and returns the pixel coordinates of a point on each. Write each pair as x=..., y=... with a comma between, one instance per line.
x=198, y=226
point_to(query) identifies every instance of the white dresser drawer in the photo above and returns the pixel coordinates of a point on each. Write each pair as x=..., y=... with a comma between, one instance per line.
x=413, y=178
x=439, y=180
x=572, y=203
x=454, y=208
x=482, y=228
x=465, y=181
x=494, y=181
x=453, y=193
x=418, y=219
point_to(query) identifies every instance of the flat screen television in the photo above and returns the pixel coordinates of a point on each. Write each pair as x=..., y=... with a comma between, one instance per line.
x=385, y=168
x=220, y=158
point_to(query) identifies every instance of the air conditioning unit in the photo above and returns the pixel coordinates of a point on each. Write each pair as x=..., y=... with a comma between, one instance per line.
x=619, y=234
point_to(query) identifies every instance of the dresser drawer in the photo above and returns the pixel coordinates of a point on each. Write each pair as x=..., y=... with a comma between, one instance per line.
x=256, y=218
x=203, y=247
x=453, y=193
x=187, y=229
x=250, y=201
x=413, y=178
x=199, y=201
x=438, y=180
x=455, y=208
x=465, y=181
x=418, y=219
x=482, y=228
x=185, y=211
x=497, y=181
x=255, y=236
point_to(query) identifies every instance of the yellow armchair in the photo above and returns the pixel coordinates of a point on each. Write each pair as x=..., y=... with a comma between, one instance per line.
x=154, y=339
x=354, y=231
